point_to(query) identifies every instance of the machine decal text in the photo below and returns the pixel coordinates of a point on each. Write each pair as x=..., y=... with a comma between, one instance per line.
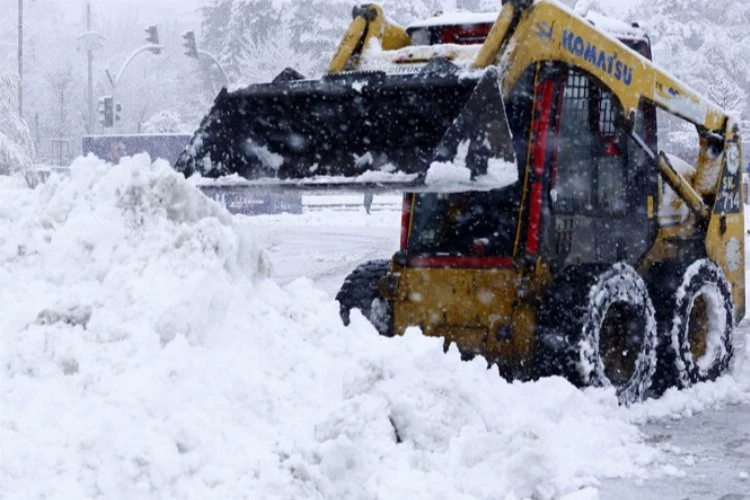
x=609, y=63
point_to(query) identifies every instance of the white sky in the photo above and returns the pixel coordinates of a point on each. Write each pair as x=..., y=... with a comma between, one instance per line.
x=188, y=8
x=186, y=11
x=179, y=5
x=183, y=9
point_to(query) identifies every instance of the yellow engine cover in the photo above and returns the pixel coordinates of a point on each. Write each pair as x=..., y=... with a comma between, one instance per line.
x=477, y=309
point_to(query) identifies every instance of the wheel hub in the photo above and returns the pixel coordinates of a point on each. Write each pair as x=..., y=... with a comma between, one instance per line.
x=620, y=342
x=698, y=327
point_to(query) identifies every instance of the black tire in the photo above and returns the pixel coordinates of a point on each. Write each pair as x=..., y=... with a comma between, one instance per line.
x=360, y=291
x=702, y=324
x=598, y=328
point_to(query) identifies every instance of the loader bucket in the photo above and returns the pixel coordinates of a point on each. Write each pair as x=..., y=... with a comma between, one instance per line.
x=346, y=126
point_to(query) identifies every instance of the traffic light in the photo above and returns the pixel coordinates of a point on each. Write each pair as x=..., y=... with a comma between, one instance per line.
x=153, y=38
x=100, y=110
x=118, y=108
x=191, y=49
x=106, y=111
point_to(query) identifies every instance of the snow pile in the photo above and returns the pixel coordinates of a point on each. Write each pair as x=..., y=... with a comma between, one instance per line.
x=500, y=173
x=685, y=403
x=144, y=355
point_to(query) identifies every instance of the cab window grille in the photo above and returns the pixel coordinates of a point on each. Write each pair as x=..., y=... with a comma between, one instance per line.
x=607, y=126
x=577, y=96
x=591, y=171
x=574, y=176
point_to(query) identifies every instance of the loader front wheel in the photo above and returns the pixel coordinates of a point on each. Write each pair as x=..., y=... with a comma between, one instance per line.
x=604, y=327
x=702, y=324
x=360, y=291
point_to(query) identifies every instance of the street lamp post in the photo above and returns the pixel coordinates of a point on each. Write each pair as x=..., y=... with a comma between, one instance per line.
x=90, y=41
x=116, y=79
x=152, y=46
x=90, y=73
x=20, y=58
x=192, y=50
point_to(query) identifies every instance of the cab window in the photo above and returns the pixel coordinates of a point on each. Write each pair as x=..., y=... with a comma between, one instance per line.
x=592, y=172
x=602, y=184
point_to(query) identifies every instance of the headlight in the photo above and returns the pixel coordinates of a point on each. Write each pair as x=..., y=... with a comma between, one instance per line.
x=733, y=157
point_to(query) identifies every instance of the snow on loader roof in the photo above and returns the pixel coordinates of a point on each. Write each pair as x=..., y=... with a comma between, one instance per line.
x=612, y=26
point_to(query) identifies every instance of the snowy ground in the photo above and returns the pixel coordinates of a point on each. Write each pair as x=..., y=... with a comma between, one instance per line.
x=145, y=354
x=703, y=435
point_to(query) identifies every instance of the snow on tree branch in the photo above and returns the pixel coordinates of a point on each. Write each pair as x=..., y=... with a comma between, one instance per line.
x=16, y=145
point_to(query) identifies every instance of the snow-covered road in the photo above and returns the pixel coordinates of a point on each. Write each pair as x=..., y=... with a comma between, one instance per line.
x=710, y=453
x=325, y=244
x=707, y=454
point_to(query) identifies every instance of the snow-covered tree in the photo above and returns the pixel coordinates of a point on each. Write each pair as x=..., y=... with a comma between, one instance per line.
x=165, y=122
x=703, y=43
x=255, y=39
x=233, y=28
x=727, y=94
x=16, y=145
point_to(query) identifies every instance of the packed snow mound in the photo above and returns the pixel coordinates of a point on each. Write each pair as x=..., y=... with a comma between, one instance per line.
x=145, y=355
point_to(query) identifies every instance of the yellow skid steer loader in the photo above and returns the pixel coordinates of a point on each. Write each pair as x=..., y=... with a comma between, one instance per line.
x=542, y=226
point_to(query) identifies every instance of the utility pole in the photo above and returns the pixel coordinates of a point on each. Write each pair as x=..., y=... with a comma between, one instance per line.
x=90, y=41
x=20, y=58
x=90, y=59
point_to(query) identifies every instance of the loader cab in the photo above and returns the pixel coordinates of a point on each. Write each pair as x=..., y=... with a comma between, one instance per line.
x=630, y=34
x=459, y=28
x=584, y=192
x=466, y=28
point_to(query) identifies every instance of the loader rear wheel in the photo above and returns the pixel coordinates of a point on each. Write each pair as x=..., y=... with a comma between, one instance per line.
x=360, y=291
x=599, y=329
x=620, y=341
x=702, y=324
